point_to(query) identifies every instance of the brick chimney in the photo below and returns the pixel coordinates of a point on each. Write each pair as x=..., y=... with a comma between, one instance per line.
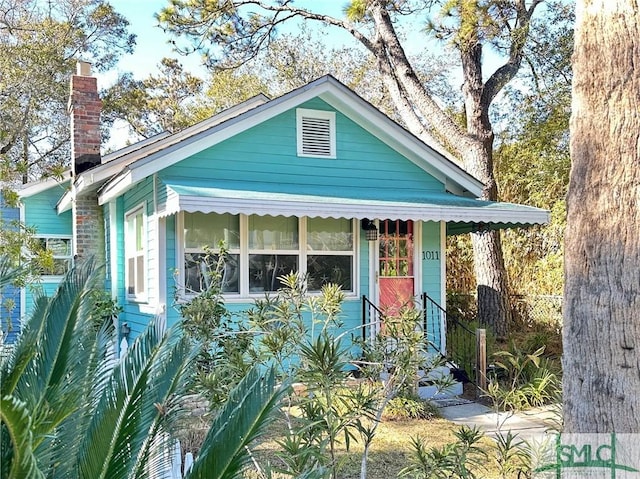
x=88, y=218
x=84, y=108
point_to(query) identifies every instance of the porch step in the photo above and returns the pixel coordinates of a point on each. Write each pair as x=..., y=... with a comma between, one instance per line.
x=434, y=392
x=428, y=390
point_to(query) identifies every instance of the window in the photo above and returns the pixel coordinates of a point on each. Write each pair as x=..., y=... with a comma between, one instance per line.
x=261, y=249
x=330, y=255
x=135, y=239
x=316, y=133
x=203, y=234
x=273, y=251
x=55, y=256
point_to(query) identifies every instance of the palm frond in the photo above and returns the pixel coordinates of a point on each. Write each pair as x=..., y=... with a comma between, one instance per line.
x=9, y=272
x=16, y=419
x=169, y=389
x=71, y=430
x=23, y=351
x=242, y=419
x=127, y=416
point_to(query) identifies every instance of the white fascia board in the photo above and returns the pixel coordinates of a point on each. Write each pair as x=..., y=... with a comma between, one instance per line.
x=116, y=187
x=85, y=180
x=336, y=95
x=36, y=187
x=65, y=202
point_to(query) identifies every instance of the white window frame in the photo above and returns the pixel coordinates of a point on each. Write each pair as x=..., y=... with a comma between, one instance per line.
x=57, y=277
x=183, y=250
x=244, y=253
x=321, y=115
x=132, y=253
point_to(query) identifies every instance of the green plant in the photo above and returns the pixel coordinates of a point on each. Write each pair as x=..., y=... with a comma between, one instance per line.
x=460, y=459
x=70, y=408
x=521, y=380
x=410, y=407
x=225, y=342
x=511, y=454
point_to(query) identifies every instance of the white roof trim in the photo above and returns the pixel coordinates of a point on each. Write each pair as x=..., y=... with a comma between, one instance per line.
x=33, y=188
x=115, y=163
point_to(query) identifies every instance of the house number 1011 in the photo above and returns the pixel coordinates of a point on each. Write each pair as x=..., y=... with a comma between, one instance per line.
x=431, y=255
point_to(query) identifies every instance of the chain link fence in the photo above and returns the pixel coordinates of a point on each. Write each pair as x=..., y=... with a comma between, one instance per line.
x=527, y=310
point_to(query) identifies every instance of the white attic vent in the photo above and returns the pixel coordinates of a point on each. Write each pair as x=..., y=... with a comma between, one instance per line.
x=316, y=133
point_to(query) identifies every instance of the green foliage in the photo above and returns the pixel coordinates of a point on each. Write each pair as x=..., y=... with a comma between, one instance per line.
x=71, y=408
x=242, y=419
x=512, y=455
x=409, y=406
x=162, y=102
x=224, y=341
x=40, y=43
x=174, y=99
x=460, y=459
x=522, y=380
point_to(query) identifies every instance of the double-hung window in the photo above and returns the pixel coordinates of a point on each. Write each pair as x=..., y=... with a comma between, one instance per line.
x=274, y=251
x=56, y=256
x=203, y=236
x=135, y=242
x=330, y=253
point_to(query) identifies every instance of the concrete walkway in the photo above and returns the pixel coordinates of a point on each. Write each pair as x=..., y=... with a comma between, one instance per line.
x=526, y=424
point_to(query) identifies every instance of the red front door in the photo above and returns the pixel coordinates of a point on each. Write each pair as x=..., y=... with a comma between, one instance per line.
x=395, y=266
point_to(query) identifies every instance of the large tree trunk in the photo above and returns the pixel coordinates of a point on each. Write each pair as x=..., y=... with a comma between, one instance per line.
x=491, y=274
x=602, y=243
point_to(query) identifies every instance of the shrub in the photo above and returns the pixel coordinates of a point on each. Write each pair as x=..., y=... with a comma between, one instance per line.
x=410, y=407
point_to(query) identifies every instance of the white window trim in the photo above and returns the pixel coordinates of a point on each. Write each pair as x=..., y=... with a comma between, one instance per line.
x=320, y=114
x=56, y=278
x=244, y=253
x=143, y=297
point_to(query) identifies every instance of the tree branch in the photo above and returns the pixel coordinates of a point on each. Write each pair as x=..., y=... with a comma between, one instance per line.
x=506, y=72
x=407, y=80
x=329, y=20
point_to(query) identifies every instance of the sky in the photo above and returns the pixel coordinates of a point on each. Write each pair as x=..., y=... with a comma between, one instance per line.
x=152, y=42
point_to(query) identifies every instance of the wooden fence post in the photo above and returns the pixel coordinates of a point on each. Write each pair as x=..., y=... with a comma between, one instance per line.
x=481, y=359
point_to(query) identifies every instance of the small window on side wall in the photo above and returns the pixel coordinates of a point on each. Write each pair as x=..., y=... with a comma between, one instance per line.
x=135, y=240
x=54, y=255
x=316, y=133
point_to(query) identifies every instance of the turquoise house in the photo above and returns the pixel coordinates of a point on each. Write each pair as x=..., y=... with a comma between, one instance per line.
x=316, y=181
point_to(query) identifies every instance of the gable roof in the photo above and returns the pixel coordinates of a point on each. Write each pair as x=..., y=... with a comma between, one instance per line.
x=204, y=135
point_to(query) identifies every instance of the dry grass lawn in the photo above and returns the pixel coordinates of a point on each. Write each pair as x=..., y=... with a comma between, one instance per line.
x=390, y=450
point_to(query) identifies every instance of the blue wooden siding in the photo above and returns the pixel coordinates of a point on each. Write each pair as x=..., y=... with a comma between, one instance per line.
x=40, y=214
x=9, y=295
x=264, y=158
x=108, y=280
x=431, y=255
